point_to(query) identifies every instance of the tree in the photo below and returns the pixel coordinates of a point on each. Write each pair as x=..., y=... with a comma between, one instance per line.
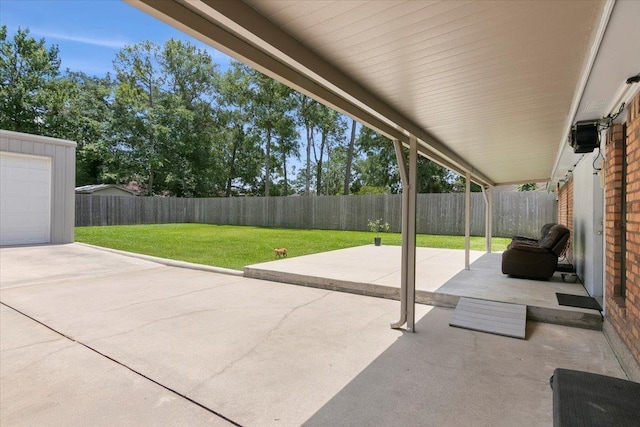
x=190, y=73
x=333, y=172
x=164, y=123
x=190, y=169
x=271, y=103
x=332, y=129
x=85, y=117
x=433, y=178
x=287, y=147
x=378, y=168
x=239, y=147
x=137, y=112
x=27, y=70
x=530, y=186
x=308, y=116
x=458, y=185
x=347, y=174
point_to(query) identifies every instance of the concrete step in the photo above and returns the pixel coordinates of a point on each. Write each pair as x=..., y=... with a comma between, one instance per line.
x=568, y=316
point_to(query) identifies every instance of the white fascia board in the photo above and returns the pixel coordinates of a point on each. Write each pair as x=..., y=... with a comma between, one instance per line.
x=563, y=146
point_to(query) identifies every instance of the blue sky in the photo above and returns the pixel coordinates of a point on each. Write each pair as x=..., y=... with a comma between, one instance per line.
x=89, y=33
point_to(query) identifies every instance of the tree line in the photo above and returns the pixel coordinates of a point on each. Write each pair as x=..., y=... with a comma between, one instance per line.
x=170, y=122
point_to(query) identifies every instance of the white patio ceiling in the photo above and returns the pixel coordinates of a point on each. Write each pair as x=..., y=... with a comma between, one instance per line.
x=486, y=87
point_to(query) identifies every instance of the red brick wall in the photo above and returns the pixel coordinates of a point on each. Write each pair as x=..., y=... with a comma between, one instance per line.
x=565, y=211
x=624, y=313
x=613, y=216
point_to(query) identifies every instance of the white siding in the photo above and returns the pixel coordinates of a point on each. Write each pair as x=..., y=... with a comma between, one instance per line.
x=587, y=225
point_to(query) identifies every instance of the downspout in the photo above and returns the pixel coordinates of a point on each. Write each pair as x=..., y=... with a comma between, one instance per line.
x=402, y=167
x=408, y=268
x=487, y=193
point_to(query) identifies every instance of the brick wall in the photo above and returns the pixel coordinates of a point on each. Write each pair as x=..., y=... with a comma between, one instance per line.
x=623, y=311
x=565, y=211
x=613, y=215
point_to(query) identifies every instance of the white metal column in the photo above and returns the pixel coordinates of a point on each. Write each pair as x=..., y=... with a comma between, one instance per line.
x=411, y=233
x=402, y=167
x=488, y=217
x=467, y=219
x=408, y=268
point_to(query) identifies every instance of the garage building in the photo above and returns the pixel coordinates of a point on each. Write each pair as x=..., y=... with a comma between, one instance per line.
x=37, y=182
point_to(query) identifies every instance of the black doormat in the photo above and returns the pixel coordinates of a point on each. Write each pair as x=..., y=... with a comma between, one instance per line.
x=578, y=301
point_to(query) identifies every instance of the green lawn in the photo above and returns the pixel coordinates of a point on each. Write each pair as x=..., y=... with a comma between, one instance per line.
x=237, y=246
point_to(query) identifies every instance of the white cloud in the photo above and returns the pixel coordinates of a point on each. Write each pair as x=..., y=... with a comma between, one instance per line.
x=110, y=43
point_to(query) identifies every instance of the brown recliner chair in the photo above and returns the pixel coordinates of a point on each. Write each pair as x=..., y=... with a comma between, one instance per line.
x=543, y=232
x=536, y=260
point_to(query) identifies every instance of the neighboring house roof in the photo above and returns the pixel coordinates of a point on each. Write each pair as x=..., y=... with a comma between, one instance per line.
x=91, y=189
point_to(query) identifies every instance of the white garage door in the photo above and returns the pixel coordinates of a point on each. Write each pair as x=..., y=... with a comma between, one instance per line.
x=25, y=199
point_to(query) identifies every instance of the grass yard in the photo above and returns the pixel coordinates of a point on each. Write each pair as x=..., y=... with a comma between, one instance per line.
x=237, y=246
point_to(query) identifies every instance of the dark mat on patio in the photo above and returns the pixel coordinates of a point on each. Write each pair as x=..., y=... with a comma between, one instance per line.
x=586, y=399
x=578, y=301
x=494, y=317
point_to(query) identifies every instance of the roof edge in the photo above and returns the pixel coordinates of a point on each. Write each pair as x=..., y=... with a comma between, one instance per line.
x=36, y=138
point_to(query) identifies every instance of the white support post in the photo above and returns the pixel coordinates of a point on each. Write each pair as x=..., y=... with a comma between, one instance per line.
x=402, y=166
x=488, y=216
x=467, y=220
x=408, y=268
x=411, y=233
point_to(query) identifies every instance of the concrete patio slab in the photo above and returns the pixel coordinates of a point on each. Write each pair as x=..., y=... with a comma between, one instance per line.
x=25, y=265
x=485, y=280
x=441, y=280
x=46, y=379
x=262, y=353
x=455, y=377
x=378, y=265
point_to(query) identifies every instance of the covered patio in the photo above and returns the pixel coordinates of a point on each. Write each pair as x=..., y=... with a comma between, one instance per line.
x=490, y=90
x=97, y=338
x=499, y=92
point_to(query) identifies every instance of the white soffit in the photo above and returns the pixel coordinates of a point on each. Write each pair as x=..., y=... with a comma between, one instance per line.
x=617, y=59
x=486, y=85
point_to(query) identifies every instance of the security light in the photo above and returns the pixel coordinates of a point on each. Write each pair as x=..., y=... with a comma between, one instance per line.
x=585, y=136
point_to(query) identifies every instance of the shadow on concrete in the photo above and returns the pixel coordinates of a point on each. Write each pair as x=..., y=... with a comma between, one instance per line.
x=445, y=376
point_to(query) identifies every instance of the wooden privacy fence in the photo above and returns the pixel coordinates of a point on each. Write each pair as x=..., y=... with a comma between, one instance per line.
x=521, y=213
